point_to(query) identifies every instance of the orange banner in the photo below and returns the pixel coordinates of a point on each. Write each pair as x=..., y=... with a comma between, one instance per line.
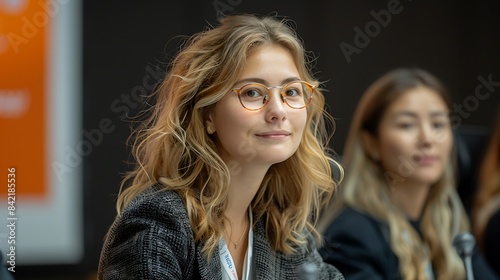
x=24, y=73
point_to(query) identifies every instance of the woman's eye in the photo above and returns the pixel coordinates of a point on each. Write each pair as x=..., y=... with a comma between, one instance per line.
x=292, y=92
x=405, y=125
x=439, y=125
x=252, y=93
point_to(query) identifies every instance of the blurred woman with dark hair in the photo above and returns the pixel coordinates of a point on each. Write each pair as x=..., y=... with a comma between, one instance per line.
x=397, y=211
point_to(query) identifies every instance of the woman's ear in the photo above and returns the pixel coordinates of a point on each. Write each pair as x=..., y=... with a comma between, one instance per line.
x=370, y=142
x=209, y=124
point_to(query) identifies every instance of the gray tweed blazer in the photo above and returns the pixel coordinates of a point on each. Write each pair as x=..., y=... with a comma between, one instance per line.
x=152, y=239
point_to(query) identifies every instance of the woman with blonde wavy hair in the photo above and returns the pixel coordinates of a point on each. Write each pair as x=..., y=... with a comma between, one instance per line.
x=232, y=165
x=397, y=210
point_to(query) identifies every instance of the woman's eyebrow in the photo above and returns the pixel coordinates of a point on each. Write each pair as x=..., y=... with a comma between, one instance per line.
x=264, y=82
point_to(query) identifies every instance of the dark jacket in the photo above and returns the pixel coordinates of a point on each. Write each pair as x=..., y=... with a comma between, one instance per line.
x=357, y=244
x=492, y=242
x=152, y=239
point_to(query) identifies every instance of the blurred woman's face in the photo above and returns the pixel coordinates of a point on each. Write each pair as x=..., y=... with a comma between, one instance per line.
x=414, y=139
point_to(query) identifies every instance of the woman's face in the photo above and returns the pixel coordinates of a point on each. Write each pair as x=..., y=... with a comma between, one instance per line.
x=414, y=138
x=267, y=136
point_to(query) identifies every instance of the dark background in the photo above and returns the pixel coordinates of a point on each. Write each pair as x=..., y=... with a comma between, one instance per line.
x=127, y=45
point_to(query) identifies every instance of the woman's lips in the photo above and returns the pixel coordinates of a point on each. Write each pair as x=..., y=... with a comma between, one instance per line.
x=425, y=160
x=275, y=134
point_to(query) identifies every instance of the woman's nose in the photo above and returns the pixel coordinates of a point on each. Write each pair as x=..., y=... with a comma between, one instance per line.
x=276, y=107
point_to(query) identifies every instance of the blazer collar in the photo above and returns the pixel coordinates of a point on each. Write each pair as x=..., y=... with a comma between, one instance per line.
x=264, y=258
x=208, y=269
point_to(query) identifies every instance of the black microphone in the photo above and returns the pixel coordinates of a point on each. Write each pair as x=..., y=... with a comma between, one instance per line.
x=464, y=244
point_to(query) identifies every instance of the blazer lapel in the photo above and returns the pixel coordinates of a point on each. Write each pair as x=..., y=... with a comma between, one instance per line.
x=265, y=260
x=264, y=257
x=208, y=269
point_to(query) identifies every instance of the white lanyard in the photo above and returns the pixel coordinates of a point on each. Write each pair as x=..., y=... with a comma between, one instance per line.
x=227, y=261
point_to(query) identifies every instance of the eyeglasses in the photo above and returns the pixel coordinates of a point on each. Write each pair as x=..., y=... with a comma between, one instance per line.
x=296, y=95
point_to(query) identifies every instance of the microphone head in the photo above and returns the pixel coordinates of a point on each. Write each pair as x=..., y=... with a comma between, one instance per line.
x=464, y=244
x=308, y=271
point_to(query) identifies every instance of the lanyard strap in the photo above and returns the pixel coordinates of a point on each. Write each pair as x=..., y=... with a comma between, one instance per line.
x=227, y=261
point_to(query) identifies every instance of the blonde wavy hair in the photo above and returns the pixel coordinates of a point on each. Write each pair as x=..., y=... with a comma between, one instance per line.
x=367, y=187
x=487, y=200
x=174, y=149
